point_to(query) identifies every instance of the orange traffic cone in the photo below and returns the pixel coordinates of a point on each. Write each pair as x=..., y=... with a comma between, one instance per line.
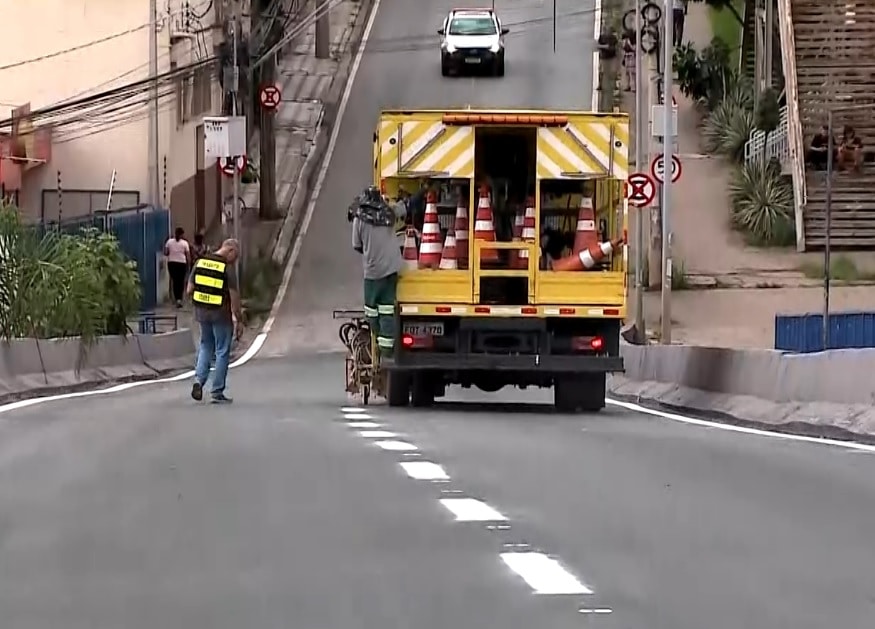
x=484, y=229
x=586, y=235
x=588, y=258
x=411, y=261
x=461, y=231
x=430, y=245
x=528, y=233
x=448, y=258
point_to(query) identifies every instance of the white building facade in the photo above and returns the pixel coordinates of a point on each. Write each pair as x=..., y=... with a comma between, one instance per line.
x=83, y=68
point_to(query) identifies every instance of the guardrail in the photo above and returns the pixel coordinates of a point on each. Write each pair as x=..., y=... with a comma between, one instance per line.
x=795, y=142
x=774, y=145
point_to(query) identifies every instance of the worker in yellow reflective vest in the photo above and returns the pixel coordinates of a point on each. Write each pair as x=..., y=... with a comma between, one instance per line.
x=212, y=287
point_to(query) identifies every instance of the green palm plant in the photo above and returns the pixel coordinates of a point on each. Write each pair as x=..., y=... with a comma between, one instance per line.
x=762, y=203
x=727, y=129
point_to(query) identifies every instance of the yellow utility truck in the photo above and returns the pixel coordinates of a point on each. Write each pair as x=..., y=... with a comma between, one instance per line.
x=536, y=294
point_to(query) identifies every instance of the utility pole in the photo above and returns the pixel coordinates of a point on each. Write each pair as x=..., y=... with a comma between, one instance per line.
x=641, y=137
x=769, y=44
x=267, y=206
x=235, y=82
x=323, y=31
x=152, y=157
x=667, y=140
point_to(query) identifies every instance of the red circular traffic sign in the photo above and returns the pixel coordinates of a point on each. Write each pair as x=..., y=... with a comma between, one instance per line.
x=270, y=96
x=657, y=168
x=226, y=165
x=641, y=189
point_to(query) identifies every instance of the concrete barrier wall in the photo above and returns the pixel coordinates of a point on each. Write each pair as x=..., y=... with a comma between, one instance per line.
x=837, y=376
x=29, y=365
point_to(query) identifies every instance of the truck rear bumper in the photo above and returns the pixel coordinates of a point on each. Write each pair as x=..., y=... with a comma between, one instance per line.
x=493, y=362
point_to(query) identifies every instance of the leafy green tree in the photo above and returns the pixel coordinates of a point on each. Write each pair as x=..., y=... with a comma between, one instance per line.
x=720, y=5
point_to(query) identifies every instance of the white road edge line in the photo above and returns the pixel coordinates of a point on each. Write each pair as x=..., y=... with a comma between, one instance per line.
x=424, y=470
x=675, y=417
x=597, y=32
x=544, y=574
x=472, y=510
x=396, y=446
x=259, y=340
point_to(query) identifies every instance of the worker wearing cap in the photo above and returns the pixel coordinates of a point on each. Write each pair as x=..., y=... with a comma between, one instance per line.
x=212, y=287
x=373, y=236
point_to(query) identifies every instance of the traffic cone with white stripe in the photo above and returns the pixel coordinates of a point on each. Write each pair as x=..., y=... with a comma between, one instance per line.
x=588, y=258
x=448, y=258
x=430, y=245
x=518, y=219
x=411, y=258
x=528, y=234
x=461, y=232
x=484, y=229
x=586, y=235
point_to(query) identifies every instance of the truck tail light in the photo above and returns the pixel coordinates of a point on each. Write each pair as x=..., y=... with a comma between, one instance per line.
x=409, y=341
x=587, y=343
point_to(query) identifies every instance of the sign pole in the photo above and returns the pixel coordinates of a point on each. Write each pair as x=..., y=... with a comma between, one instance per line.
x=640, y=132
x=667, y=139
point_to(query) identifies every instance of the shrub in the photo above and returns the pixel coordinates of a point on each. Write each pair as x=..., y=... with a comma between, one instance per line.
x=762, y=203
x=704, y=77
x=54, y=284
x=727, y=129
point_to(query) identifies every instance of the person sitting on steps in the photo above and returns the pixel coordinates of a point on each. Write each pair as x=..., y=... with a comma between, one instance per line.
x=850, y=150
x=819, y=149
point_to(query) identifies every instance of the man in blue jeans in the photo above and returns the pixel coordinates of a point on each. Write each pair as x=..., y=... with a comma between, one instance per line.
x=212, y=287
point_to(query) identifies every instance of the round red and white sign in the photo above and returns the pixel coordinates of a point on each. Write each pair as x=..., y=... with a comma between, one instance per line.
x=226, y=165
x=270, y=96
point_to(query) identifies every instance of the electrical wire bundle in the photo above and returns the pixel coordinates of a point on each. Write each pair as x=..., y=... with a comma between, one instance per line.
x=356, y=337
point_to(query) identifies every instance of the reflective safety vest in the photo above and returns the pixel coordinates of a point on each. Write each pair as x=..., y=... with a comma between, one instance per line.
x=209, y=281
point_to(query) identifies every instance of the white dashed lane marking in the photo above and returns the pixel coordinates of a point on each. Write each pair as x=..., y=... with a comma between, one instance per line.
x=377, y=434
x=396, y=446
x=363, y=425
x=357, y=416
x=544, y=574
x=424, y=470
x=471, y=510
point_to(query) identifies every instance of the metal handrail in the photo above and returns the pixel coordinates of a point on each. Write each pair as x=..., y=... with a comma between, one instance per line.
x=774, y=145
x=794, y=124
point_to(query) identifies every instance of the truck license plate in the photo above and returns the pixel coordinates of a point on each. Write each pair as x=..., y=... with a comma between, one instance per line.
x=472, y=60
x=424, y=329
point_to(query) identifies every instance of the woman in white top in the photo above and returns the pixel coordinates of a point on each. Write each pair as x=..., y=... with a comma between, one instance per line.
x=178, y=254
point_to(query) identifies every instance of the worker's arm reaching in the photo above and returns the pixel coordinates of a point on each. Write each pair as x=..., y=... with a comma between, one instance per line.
x=357, y=243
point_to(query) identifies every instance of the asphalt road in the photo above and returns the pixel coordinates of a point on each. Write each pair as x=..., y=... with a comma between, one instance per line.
x=141, y=509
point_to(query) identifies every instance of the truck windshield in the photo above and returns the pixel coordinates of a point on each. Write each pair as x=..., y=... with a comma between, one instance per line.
x=472, y=26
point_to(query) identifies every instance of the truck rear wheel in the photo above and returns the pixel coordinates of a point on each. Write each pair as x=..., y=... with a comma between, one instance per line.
x=422, y=390
x=399, y=388
x=579, y=393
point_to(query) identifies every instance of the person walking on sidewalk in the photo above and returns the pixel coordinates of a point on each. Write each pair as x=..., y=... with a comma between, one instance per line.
x=213, y=289
x=178, y=255
x=373, y=236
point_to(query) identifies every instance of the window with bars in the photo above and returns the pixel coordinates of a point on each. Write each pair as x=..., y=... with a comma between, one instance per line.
x=194, y=95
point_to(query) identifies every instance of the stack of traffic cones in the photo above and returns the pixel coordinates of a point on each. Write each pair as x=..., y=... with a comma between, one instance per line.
x=528, y=234
x=448, y=258
x=411, y=261
x=586, y=235
x=461, y=232
x=484, y=229
x=430, y=246
x=588, y=258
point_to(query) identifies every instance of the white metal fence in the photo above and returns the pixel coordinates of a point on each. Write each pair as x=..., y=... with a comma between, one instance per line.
x=775, y=145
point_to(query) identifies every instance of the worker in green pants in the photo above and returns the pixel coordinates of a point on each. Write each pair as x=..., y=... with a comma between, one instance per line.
x=373, y=236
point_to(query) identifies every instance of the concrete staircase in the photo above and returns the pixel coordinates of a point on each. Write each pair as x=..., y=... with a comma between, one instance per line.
x=748, y=48
x=835, y=69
